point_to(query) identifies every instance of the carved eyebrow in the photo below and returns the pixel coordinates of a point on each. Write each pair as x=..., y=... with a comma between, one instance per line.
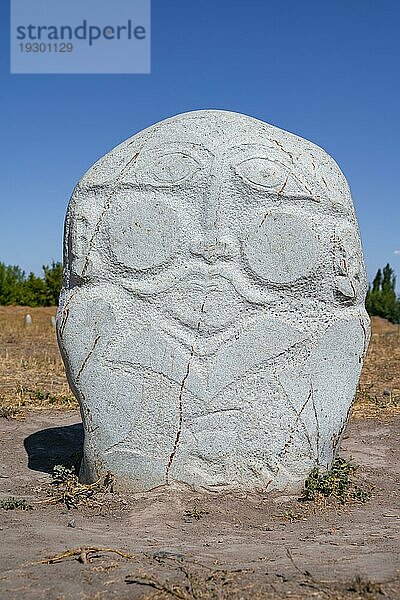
x=246, y=145
x=266, y=149
x=179, y=146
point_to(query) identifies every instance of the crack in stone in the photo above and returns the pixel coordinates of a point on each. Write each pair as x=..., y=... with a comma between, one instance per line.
x=337, y=438
x=294, y=427
x=263, y=219
x=281, y=146
x=178, y=433
x=218, y=411
x=365, y=340
x=103, y=212
x=299, y=180
x=83, y=365
x=283, y=186
x=316, y=421
x=180, y=400
x=280, y=192
x=65, y=312
x=300, y=421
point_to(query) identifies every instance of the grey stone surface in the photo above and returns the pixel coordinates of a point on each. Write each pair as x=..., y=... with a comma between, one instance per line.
x=212, y=318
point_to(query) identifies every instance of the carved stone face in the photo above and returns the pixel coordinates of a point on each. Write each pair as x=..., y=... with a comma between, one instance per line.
x=212, y=318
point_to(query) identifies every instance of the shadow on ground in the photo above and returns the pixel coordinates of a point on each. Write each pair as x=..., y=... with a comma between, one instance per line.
x=55, y=446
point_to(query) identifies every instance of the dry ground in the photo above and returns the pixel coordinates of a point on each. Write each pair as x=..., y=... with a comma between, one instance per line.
x=175, y=543
x=31, y=370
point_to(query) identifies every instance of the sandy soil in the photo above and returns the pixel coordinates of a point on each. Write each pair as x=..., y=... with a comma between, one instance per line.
x=251, y=546
x=175, y=543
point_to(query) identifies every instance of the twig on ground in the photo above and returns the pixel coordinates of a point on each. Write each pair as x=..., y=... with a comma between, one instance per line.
x=83, y=555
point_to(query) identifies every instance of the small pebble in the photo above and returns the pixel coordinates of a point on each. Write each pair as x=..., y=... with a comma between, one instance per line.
x=71, y=523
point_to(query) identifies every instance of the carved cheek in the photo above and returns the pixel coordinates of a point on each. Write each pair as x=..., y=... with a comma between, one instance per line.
x=282, y=248
x=143, y=235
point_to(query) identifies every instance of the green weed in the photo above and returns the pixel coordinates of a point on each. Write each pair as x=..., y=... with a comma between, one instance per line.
x=14, y=504
x=336, y=483
x=195, y=513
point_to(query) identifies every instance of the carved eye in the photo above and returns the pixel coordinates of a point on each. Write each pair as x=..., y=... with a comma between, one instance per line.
x=262, y=172
x=173, y=167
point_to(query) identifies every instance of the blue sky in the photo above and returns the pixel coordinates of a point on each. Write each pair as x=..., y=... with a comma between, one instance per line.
x=325, y=70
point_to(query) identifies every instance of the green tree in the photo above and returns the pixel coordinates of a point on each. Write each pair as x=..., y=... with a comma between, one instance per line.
x=53, y=282
x=12, y=280
x=376, y=284
x=17, y=288
x=381, y=298
x=34, y=291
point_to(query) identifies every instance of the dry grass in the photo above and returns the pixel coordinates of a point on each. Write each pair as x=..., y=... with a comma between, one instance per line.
x=84, y=555
x=378, y=394
x=67, y=489
x=31, y=370
x=192, y=581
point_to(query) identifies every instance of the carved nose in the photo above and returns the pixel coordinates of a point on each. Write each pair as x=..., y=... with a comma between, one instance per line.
x=211, y=251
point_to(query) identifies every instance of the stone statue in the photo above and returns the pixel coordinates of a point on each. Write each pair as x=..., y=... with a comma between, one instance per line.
x=212, y=318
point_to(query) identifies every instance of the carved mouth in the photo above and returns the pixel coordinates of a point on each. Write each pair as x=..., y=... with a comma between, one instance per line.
x=205, y=304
